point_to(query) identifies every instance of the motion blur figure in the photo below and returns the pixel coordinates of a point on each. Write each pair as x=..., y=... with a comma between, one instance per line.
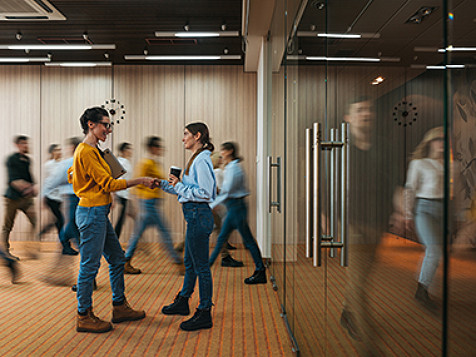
x=20, y=191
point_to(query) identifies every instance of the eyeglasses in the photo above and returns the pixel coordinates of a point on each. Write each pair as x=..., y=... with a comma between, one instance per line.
x=106, y=124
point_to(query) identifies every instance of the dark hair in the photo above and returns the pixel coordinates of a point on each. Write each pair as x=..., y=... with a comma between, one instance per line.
x=124, y=146
x=52, y=148
x=94, y=115
x=153, y=141
x=355, y=100
x=229, y=145
x=74, y=141
x=19, y=138
x=201, y=128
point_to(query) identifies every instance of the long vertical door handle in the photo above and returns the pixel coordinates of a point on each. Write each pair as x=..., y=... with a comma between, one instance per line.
x=345, y=194
x=272, y=203
x=270, y=184
x=316, y=202
x=278, y=188
x=309, y=193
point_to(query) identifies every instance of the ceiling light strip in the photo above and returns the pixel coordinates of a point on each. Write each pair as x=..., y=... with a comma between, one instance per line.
x=58, y=47
x=457, y=49
x=182, y=58
x=342, y=59
x=79, y=64
x=338, y=35
x=194, y=34
x=23, y=59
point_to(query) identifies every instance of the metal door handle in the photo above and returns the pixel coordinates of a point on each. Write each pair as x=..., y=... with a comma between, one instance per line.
x=314, y=146
x=272, y=203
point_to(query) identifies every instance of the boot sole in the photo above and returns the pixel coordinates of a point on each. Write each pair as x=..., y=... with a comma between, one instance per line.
x=197, y=328
x=124, y=319
x=81, y=329
x=176, y=313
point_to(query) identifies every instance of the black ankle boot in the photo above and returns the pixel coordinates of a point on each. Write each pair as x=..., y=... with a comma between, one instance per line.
x=178, y=307
x=228, y=261
x=258, y=277
x=423, y=297
x=202, y=319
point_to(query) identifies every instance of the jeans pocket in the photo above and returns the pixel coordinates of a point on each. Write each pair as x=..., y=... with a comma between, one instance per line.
x=205, y=219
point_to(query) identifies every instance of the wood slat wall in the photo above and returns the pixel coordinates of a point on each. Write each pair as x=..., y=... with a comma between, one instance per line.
x=46, y=103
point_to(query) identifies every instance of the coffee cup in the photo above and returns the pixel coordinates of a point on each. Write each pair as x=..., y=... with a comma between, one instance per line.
x=175, y=170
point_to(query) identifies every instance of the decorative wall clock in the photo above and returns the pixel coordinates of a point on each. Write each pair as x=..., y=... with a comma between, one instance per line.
x=405, y=113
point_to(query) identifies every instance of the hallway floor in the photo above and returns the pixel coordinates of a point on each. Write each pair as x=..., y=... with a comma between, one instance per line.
x=37, y=315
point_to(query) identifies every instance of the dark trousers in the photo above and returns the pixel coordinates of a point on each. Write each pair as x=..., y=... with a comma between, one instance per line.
x=55, y=208
x=11, y=207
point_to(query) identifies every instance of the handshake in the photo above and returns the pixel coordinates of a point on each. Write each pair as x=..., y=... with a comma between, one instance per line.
x=150, y=182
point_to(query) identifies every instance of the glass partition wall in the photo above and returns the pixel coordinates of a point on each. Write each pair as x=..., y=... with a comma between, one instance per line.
x=372, y=151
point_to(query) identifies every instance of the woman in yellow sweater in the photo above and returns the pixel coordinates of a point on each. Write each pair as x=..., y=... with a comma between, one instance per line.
x=93, y=184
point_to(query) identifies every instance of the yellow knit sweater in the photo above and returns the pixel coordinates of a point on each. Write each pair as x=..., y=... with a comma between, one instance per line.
x=91, y=177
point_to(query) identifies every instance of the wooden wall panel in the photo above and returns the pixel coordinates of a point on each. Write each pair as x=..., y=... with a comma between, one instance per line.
x=225, y=99
x=20, y=114
x=154, y=102
x=46, y=103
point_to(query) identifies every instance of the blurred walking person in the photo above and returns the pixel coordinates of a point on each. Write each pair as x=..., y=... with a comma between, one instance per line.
x=150, y=203
x=20, y=192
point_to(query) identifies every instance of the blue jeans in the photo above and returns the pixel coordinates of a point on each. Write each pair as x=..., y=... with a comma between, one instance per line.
x=429, y=227
x=70, y=230
x=199, y=227
x=98, y=238
x=236, y=218
x=149, y=214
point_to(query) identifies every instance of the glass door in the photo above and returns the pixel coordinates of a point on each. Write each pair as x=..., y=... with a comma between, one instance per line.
x=369, y=277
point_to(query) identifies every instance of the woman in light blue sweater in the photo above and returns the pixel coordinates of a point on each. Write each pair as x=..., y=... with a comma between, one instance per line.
x=196, y=190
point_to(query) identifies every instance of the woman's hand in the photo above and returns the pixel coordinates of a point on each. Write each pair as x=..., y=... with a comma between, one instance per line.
x=149, y=182
x=173, y=180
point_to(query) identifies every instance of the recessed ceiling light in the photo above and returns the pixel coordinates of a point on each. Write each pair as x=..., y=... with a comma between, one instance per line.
x=378, y=80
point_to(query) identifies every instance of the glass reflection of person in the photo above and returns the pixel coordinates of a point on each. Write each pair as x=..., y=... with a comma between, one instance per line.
x=424, y=191
x=367, y=217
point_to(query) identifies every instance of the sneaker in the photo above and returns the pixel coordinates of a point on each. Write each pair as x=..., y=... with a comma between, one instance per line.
x=129, y=269
x=11, y=256
x=229, y=246
x=202, y=319
x=424, y=299
x=13, y=266
x=258, y=277
x=228, y=261
x=67, y=250
x=91, y=323
x=348, y=322
x=124, y=312
x=178, y=307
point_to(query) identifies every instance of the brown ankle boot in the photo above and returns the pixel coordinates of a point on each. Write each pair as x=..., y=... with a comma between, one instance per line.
x=91, y=323
x=129, y=269
x=124, y=312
